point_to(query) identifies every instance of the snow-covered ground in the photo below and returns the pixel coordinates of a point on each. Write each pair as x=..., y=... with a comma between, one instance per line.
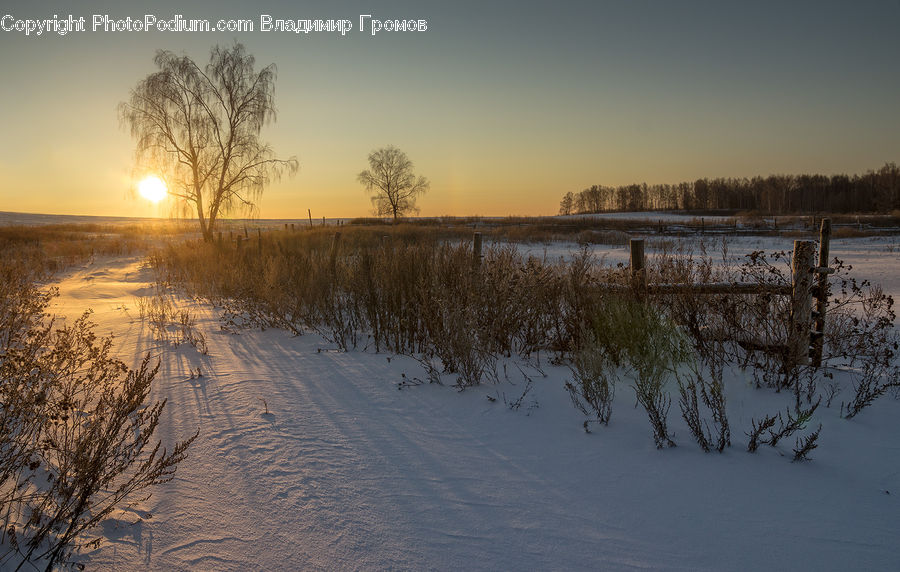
x=345, y=472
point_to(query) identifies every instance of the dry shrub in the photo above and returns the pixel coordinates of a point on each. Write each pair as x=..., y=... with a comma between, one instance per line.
x=169, y=324
x=764, y=431
x=76, y=427
x=593, y=385
x=871, y=382
x=654, y=348
x=704, y=384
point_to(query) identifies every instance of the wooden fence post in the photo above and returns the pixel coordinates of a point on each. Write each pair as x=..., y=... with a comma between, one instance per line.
x=309, y=212
x=801, y=302
x=476, y=250
x=821, y=292
x=638, y=270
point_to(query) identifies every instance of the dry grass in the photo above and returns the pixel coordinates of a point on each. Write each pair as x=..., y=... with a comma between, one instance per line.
x=416, y=290
x=169, y=324
x=412, y=291
x=55, y=247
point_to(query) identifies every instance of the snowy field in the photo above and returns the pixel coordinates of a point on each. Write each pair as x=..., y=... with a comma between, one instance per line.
x=309, y=458
x=33, y=219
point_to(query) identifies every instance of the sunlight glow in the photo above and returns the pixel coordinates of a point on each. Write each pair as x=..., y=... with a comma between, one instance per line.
x=152, y=188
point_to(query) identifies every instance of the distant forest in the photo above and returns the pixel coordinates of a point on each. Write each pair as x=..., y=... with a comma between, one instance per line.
x=875, y=191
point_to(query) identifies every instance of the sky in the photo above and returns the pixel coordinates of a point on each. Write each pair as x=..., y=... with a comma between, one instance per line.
x=504, y=106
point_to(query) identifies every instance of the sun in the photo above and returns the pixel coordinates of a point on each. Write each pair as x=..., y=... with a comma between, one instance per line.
x=152, y=188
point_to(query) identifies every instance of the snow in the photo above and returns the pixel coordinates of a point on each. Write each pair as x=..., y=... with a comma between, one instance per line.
x=347, y=472
x=36, y=219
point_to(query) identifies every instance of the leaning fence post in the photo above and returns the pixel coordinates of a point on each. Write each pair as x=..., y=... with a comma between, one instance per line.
x=638, y=270
x=801, y=301
x=822, y=292
x=476, y=250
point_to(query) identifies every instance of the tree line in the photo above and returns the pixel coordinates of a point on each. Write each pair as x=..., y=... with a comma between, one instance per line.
x=874, y=191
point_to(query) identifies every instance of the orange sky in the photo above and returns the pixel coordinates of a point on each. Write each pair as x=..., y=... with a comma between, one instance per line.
x=503, y=107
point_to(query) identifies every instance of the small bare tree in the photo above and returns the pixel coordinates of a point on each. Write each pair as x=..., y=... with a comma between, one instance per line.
x=567, y=204
x=200, y=128
x=392, y=183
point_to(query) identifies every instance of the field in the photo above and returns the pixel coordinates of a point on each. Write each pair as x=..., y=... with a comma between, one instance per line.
x=315, y=451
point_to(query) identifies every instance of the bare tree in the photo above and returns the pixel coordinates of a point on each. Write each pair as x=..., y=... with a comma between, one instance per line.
x=200, y=129
x=567, y=203
x=392, y=183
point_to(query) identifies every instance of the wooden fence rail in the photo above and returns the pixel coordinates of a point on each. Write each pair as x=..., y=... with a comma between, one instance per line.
x=805, y=335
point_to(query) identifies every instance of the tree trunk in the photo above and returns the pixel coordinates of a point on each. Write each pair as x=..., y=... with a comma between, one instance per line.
x=205, y=225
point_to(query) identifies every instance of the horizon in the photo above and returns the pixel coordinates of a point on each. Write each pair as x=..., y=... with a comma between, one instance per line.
x=504, y=108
